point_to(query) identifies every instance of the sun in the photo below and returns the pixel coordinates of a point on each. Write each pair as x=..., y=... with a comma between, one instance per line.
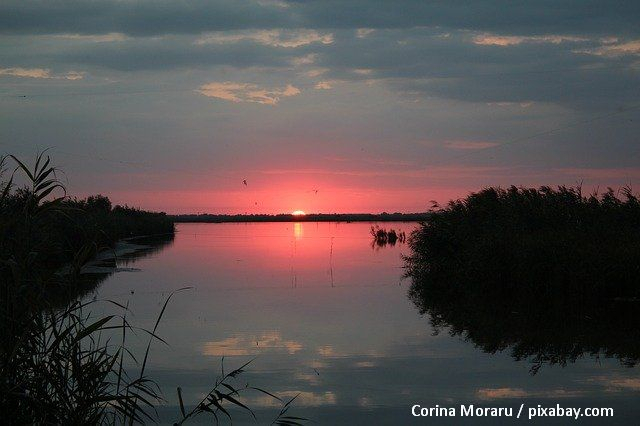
x=298, y=213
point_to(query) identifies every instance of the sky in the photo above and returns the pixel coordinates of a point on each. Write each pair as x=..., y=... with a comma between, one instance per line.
x=321, y=106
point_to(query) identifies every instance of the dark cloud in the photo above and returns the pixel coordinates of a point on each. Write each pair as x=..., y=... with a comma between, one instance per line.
x=419, y=62
x=541, y=51
x=501, y=16
x=170, y=54
x=427, y=63
x=146, y=17
x=157, y=17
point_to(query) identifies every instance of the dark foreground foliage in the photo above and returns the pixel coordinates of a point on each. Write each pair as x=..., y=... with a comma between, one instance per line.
x=59, y=229
x=58, y=363
x=550, y=274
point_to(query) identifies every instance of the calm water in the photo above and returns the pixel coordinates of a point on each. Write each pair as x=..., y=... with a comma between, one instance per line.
x=327, y=316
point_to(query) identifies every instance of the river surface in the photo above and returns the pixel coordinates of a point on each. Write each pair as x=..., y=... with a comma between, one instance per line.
x=325, y=315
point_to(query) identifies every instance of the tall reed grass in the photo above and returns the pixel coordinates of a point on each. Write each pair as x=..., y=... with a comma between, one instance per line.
x=549, y=274
x=61, y=365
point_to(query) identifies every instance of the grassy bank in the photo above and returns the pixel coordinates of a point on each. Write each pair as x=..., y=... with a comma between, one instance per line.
x=551, y=274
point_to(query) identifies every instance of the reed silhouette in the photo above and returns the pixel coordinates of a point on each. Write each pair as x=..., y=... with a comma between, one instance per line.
x=382, y=237
x=549, y=274
x=57, y=362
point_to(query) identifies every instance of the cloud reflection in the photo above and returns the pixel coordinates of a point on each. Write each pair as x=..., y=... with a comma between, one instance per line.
x=304, y=399
x=241, y=345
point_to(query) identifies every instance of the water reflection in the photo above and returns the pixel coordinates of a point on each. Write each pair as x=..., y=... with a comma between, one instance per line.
x=270, y=341
x=108, y=262
x=542, y=329
x=357, y=352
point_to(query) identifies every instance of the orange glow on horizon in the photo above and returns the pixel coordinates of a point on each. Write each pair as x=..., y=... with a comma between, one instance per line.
x=284, y=198
x=298, y=213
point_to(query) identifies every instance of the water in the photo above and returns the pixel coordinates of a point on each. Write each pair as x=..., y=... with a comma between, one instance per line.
x=326, y=316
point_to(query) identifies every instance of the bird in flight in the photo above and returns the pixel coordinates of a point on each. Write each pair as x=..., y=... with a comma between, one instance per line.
x=245, y=182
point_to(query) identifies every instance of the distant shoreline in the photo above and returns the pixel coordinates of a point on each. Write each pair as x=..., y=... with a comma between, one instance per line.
x=320, y=217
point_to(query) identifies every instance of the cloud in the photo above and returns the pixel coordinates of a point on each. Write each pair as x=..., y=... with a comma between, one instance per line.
x=316, y=72
x=155, y=17
x=508, y=104
x=157, y=54
x=498, y=40
x=304, y=60
x=26, y=72
x=246, y=92
x=557, y=55
x=276, y=38
x=40, y=73
x=144, y=17
x=571, y=55
x=324, y=85
x=543, y=69
x=364, y=32
x=97, y=38
x=469, y=145
x=615, y=50
x=362, y=71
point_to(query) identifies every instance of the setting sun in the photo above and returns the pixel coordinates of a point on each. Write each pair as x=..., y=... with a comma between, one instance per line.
x=298, y=213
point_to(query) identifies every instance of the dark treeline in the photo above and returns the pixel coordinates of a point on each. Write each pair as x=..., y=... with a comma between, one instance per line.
x=551, y=274
x=314, y=217
x=73, y=226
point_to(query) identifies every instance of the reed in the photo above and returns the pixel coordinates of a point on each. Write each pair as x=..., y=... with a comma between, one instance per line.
x=382, y=237
x=59, y=364
x=550, y=274
x=523, y=241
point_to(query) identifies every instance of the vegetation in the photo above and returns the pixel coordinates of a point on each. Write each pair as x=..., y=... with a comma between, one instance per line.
x=59, y=364
x=550, y=273
x=64, y=226
x=382, y=237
